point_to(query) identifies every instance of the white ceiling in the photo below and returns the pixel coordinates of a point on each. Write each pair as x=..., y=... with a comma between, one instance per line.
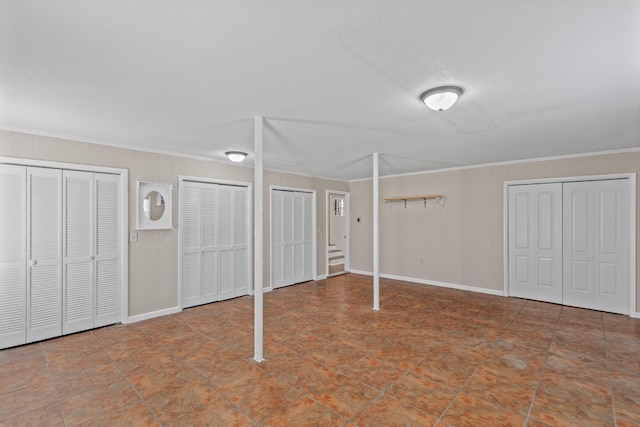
x=336, y=80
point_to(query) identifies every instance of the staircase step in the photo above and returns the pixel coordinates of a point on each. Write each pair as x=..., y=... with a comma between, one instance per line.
x=336, y=260
x=335, y=253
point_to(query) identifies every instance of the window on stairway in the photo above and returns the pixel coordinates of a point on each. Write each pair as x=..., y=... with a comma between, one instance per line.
x=338, y=207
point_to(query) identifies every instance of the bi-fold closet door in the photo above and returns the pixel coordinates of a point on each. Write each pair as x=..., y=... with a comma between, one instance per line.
x=596, y=245
x=91, y=250
x=59, y=252
x=215, y=242
x=292, y=237
x=569, y=243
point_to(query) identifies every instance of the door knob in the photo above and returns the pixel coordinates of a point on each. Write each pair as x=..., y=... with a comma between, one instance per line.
x=32, y=263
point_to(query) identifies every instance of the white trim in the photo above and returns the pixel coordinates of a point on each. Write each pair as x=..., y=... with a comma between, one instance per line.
x=124, y=214
x=314, y=225
x=321, y=277
x=437, y=283
x=505, y=238
x=165, y=191
x=71, y=138
x=292, y=189
x=124, y=246
x=222, y=160
x=362, y=272
x=635, y=315
x=60, y=165
x=571, y=179
x=264, y=290
x=509, y=162
x=632, y=224
x=376, y=232
x=154, y=314
x=130, y=147
x=213, y=181
x=633, y=284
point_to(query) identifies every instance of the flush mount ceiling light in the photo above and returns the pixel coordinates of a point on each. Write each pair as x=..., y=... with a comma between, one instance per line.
x=441, y=98
x=236, y=156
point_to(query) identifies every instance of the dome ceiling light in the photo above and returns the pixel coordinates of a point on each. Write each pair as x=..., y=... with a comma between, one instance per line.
x=441, y=98
x=236, y=156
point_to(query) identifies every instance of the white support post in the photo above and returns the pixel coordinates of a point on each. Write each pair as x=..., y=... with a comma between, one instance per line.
x=258, y=321
x=376, y=252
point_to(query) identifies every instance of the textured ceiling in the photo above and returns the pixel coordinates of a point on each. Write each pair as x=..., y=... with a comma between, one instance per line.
x=335, y=80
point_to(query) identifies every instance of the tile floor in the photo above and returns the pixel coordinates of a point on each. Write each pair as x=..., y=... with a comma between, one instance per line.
x=431, y=356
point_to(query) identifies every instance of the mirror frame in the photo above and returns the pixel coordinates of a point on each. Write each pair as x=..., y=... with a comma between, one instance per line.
x=165, y=190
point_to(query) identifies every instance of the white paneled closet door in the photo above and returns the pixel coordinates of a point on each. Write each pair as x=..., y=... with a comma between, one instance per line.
x=535, y=242
x=596, y=251
x=13, y=282
x=292, y=237
x=44, y=253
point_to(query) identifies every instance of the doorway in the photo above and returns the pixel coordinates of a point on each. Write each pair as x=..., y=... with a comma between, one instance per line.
x=338, y=240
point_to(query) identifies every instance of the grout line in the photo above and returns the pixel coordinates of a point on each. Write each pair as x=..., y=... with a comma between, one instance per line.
x=495, y=343
x=126, y=377
x=606, y=356
x=544, y=363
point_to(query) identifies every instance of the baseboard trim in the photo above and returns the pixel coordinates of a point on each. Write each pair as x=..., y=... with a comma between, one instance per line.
x=434, y=283
x=264, y=291
x=321, y=277
x=153, y=314
x=635, y=315
x=361, y=272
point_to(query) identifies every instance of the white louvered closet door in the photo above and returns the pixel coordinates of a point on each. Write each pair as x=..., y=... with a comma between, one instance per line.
x=209, y=248
x=287, y=239
x=293, y=238
x=308, y=237
x=215, y=242
x=298, y=237
x=225, y=243
x=13, y=291
x=277, y=239
x=190, y=228
x=44, y=253
x=240, y=242
x=303, y=237
x=78, y=263
x=107, y=250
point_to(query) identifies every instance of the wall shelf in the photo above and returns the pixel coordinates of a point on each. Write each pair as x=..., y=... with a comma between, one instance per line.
x=405, y=199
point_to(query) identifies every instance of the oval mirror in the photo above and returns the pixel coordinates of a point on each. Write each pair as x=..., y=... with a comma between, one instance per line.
x=153, y=205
